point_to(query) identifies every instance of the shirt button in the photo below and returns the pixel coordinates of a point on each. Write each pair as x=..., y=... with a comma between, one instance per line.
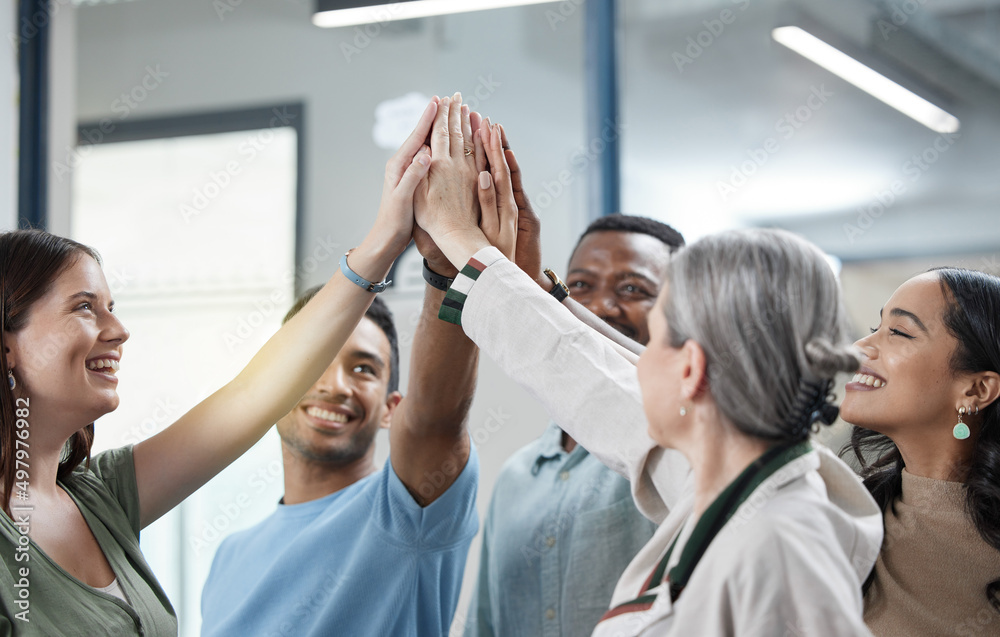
x=564, y=475
x=550, y=541
x=550, y=614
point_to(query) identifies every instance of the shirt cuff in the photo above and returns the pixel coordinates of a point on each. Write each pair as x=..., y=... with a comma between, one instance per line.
x=454, y=300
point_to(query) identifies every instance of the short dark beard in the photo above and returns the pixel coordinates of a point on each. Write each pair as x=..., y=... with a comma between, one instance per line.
x=341, y=456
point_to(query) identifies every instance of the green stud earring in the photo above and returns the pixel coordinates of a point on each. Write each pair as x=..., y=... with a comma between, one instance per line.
x=961, y=430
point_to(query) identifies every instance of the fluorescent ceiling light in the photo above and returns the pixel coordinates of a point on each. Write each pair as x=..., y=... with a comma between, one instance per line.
x=877, y=85
x=409, y=9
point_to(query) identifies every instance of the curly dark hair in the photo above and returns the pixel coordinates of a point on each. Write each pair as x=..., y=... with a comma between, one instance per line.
x=630, y=223
x=973, y=318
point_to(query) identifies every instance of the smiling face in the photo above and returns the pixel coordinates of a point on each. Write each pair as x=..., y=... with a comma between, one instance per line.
x=338, y=418
x=617, y=275
x=66, y=356
x=906, y=383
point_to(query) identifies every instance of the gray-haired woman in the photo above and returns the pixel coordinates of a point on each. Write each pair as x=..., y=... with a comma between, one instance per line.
x=761, y=532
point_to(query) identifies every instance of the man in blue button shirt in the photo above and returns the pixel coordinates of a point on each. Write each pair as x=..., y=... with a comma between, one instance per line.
x=562, y=527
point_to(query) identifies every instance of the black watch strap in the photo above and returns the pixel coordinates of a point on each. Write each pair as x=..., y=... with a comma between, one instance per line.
x=559, y=289
x=435, y=280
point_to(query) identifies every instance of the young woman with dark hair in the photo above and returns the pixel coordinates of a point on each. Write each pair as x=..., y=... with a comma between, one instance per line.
x=928, y=438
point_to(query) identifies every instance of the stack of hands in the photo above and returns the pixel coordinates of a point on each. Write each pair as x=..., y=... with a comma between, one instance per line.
x=454, y=187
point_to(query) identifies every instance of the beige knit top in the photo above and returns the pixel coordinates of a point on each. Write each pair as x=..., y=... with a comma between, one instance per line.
x=931, y=576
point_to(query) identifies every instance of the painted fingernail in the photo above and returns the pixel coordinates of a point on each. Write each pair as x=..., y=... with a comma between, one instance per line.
x=484, y=180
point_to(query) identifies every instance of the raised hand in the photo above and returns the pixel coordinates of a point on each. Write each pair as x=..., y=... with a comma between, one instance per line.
x=446, y=206
x=403, y=174
x=436, y=260
x=449, y=202
x=528, y=255
x=499, y=209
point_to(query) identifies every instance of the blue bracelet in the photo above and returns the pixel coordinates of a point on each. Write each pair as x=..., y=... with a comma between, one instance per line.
x=360, y=281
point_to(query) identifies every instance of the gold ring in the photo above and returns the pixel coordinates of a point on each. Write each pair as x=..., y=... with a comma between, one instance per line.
x=468, y=151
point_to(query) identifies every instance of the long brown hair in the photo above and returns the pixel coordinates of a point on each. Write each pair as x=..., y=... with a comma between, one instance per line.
x=30, y=260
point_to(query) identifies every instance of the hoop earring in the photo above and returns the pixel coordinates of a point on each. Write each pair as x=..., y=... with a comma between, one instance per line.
x=10, y=379
x=961, y=430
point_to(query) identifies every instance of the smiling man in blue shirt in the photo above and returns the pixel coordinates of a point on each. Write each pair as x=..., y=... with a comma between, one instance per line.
x=353, y=550
x=562, y=527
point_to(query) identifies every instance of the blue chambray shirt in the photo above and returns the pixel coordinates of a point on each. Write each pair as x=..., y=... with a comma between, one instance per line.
x=560, y=530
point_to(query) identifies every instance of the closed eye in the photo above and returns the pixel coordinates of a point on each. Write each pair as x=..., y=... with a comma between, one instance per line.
x=893, y=331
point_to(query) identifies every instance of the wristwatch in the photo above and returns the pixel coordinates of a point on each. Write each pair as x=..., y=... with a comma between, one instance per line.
x=436, y=280
x=559, y=289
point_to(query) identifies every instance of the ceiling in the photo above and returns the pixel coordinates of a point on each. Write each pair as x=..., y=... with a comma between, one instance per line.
x=701, y=119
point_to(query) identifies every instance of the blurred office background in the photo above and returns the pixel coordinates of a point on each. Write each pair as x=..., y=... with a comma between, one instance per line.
x=222, y=154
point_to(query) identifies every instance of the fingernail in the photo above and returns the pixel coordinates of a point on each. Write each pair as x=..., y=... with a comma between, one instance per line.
x=484, y=180
x=465, y=109
x=424, y=159
x=457, y=97
x=486, y=122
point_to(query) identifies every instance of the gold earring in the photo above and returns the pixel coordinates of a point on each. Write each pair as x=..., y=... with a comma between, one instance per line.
x=961, y=430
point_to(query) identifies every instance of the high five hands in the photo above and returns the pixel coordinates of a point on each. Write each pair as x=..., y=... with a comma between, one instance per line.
x=454, y=186
x=467, y=200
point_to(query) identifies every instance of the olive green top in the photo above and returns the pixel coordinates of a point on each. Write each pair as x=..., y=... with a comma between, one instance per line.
x=37, y=597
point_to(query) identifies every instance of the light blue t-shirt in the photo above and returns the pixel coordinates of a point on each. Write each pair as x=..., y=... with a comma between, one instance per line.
x=366, y=560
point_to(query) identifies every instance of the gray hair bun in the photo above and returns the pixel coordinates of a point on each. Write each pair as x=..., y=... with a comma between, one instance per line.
x=826, y=360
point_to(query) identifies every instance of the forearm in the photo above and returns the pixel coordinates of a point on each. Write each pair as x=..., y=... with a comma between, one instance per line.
x=443, y=370
x=290, y=362
x=428, y=435
x=174, y=463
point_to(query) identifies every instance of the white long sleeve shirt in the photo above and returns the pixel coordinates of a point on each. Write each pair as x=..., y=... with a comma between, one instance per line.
x=792, y=558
